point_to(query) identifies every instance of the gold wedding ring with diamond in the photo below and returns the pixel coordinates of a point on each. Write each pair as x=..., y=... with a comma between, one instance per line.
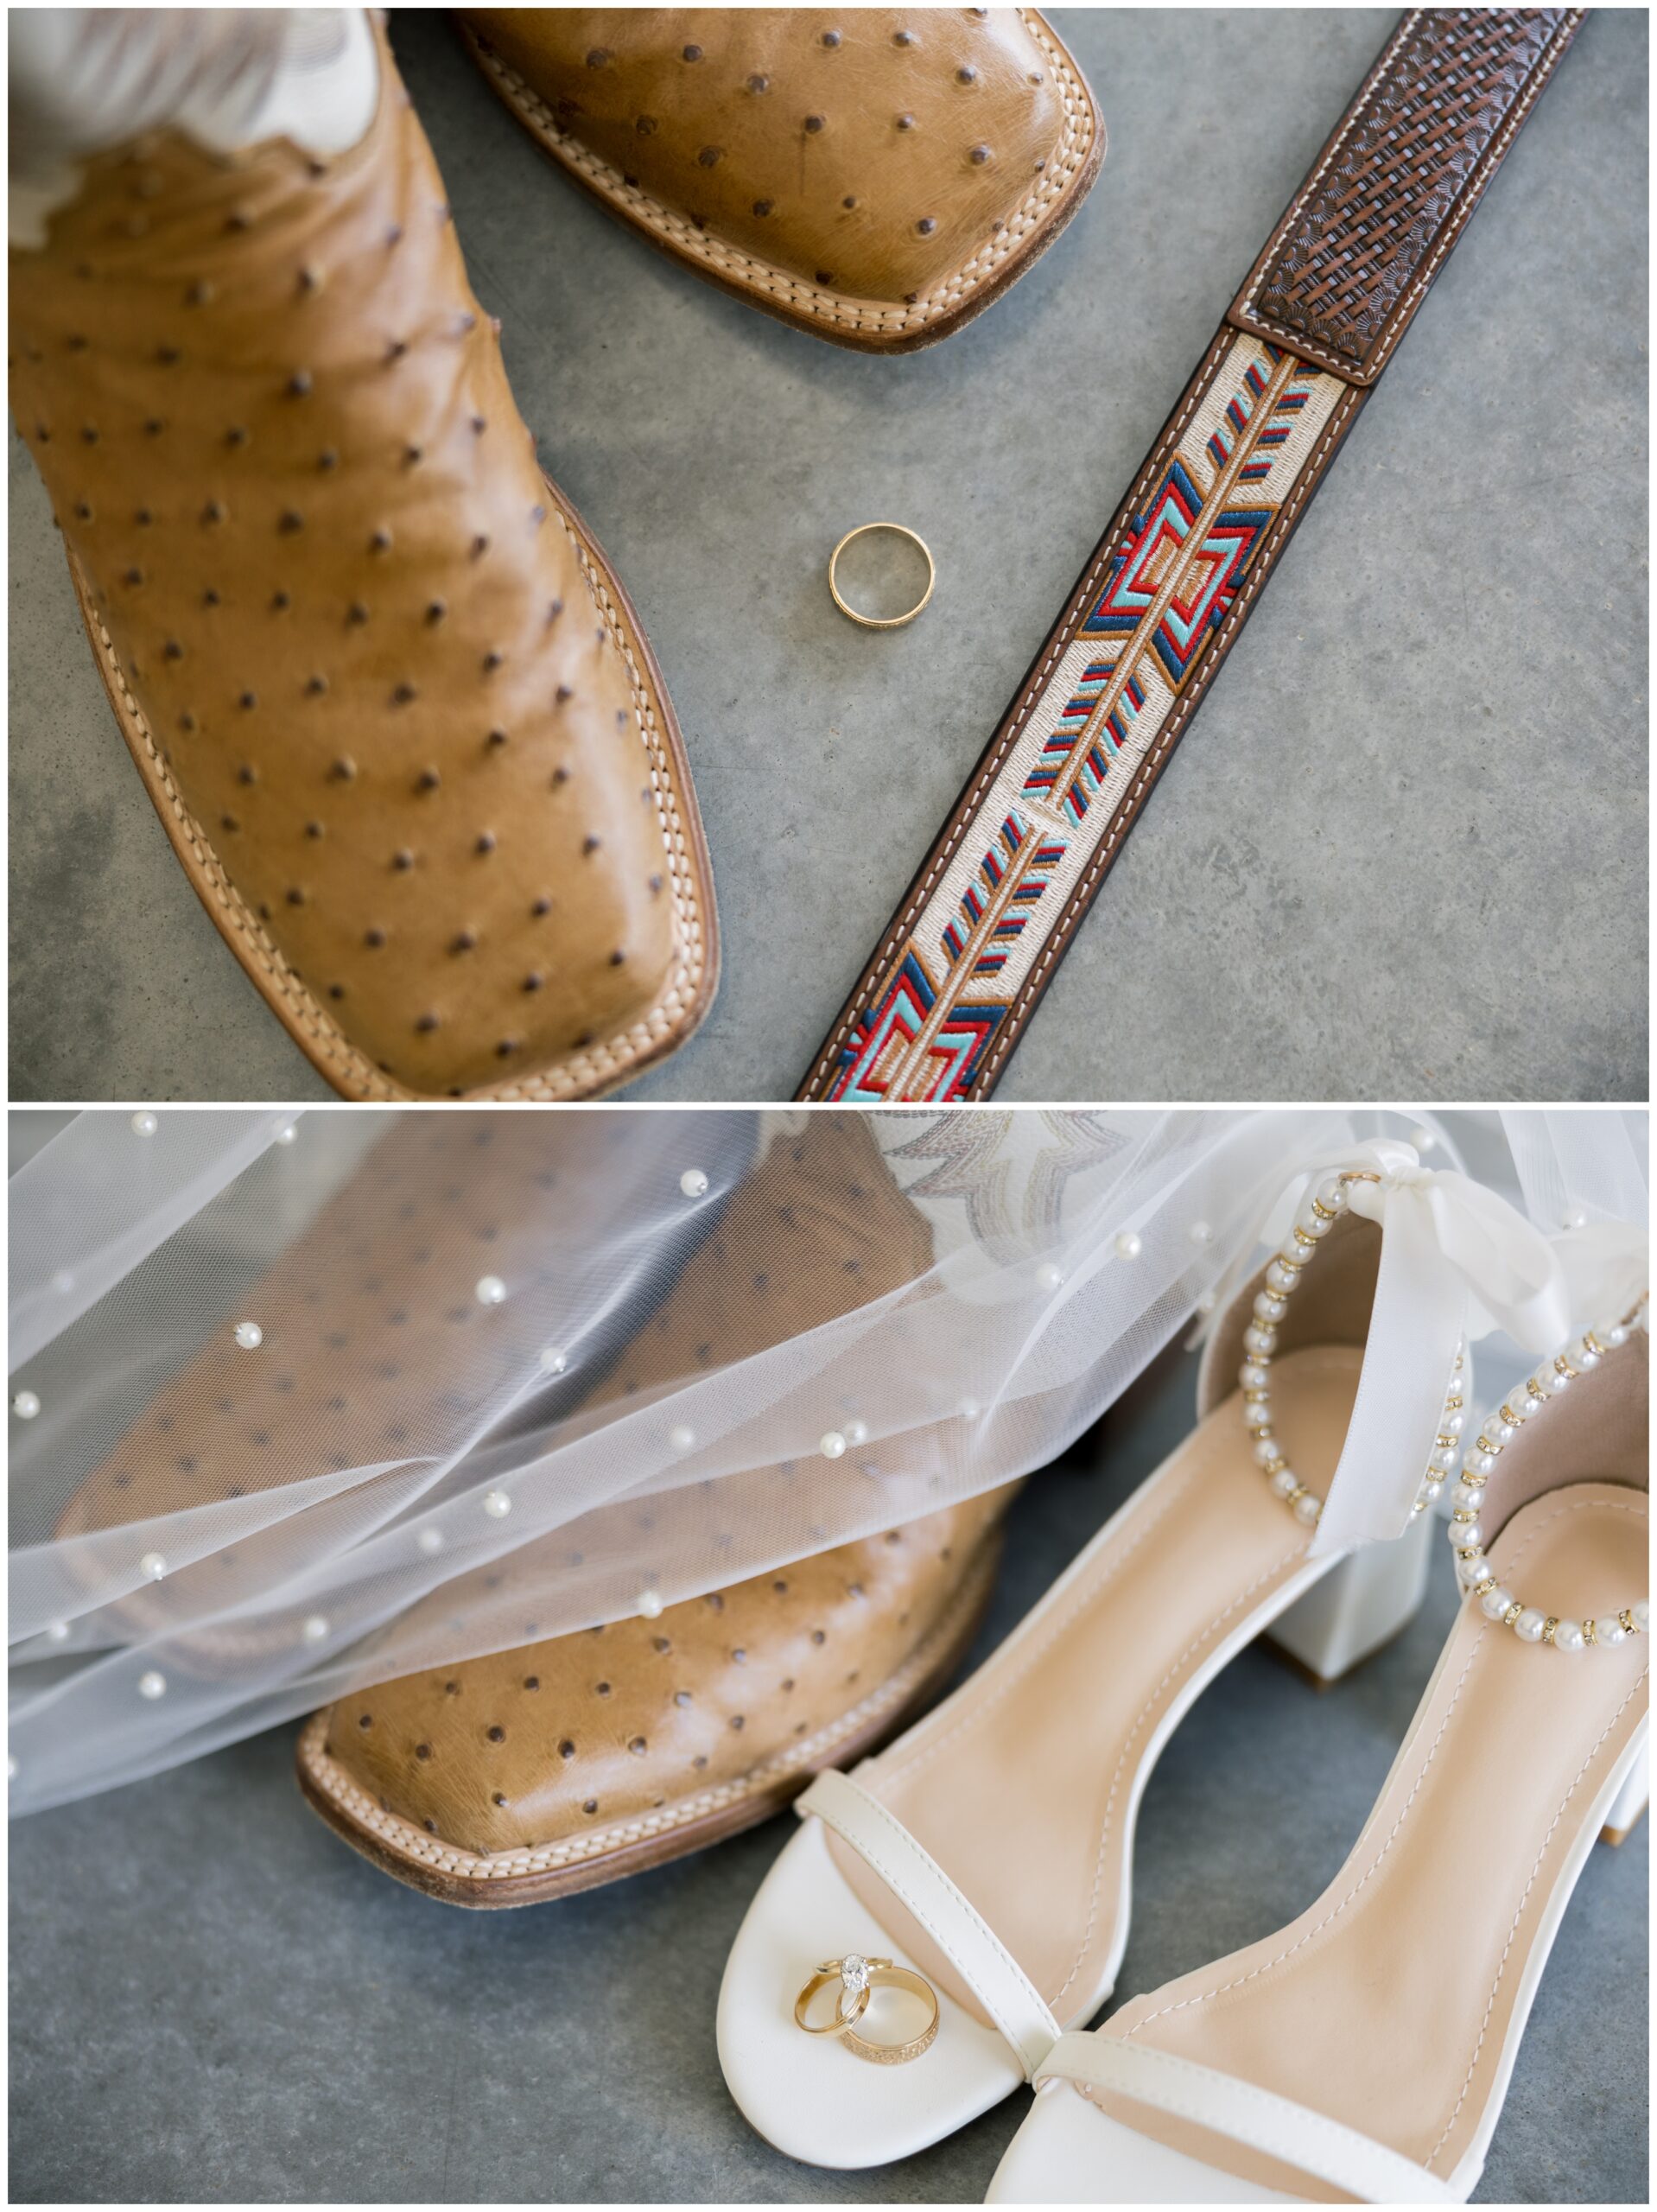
x=857, y=1976
x=853, y=1975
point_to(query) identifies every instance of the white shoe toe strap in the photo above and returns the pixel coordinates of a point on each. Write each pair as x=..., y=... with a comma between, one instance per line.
x=956, y=1926
x=1306, y=2139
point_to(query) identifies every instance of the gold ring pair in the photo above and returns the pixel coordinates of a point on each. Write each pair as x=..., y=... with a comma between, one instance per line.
x=857, y=1977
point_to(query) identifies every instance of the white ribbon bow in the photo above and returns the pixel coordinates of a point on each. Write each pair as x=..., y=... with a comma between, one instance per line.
x=1607, y=1267
x=1455, y=1260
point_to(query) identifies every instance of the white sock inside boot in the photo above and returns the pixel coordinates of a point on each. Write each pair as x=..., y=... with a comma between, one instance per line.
x=81, y=80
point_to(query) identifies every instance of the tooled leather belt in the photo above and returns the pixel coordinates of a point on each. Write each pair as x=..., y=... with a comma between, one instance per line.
x=958, y=972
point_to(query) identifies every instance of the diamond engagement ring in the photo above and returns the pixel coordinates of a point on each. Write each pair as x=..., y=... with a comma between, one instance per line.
x=857, y=1976
x=853, y=1972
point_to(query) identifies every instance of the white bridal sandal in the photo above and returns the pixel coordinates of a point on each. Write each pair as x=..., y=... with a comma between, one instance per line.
x=945, y=1912
x=1363, y=2053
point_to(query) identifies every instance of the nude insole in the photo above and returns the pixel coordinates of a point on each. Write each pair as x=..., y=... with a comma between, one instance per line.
x=1023, y=1785
x=1388, y=2004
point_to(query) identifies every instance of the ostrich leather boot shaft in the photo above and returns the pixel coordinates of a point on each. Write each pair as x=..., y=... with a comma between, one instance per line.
x=394, y=709
x=876, y=177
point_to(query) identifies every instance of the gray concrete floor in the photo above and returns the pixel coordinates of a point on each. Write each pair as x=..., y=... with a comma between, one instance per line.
x=1403, y=851
x=211, y=1998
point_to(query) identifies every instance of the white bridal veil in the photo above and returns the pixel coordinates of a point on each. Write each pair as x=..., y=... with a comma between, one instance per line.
x=299, y=1402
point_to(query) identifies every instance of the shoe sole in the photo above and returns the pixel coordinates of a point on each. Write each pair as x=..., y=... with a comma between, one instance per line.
x=353, y=1074
x=410, y=1855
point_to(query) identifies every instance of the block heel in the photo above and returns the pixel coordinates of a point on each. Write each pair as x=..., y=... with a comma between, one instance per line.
x=1366, y=1600
x=1630, y=1801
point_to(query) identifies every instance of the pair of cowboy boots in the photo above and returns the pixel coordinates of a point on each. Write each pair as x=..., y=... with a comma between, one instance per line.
x=396, y=710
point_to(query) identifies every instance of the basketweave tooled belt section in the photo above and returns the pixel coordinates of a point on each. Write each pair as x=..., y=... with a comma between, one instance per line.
x=945, y=998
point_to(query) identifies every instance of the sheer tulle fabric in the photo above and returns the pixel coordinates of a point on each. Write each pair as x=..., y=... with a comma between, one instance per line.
x=299, y=1403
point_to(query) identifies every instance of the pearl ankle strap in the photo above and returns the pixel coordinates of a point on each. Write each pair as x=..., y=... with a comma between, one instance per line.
x=1497, y=1431
x=1312, y=1223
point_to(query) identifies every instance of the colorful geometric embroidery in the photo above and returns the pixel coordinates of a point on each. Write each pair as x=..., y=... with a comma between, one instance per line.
x=879, y=1059
x=1173, y=577
x=1160, y=558
x=952, y=1057
x=1057, y=751
x=1136, y=574
x=1087, y=778
x=986, y=923
x=1239, y=409
x=903, y=1005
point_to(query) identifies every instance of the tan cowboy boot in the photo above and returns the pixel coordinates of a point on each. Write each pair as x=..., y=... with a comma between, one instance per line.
x=394, y=709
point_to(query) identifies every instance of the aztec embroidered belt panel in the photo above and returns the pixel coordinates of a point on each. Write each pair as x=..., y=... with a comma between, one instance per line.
x=939, y=1009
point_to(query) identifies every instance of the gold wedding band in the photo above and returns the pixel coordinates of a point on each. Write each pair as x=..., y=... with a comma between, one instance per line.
x=896, y=2054
x=889, y=621
x=857, y=1976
